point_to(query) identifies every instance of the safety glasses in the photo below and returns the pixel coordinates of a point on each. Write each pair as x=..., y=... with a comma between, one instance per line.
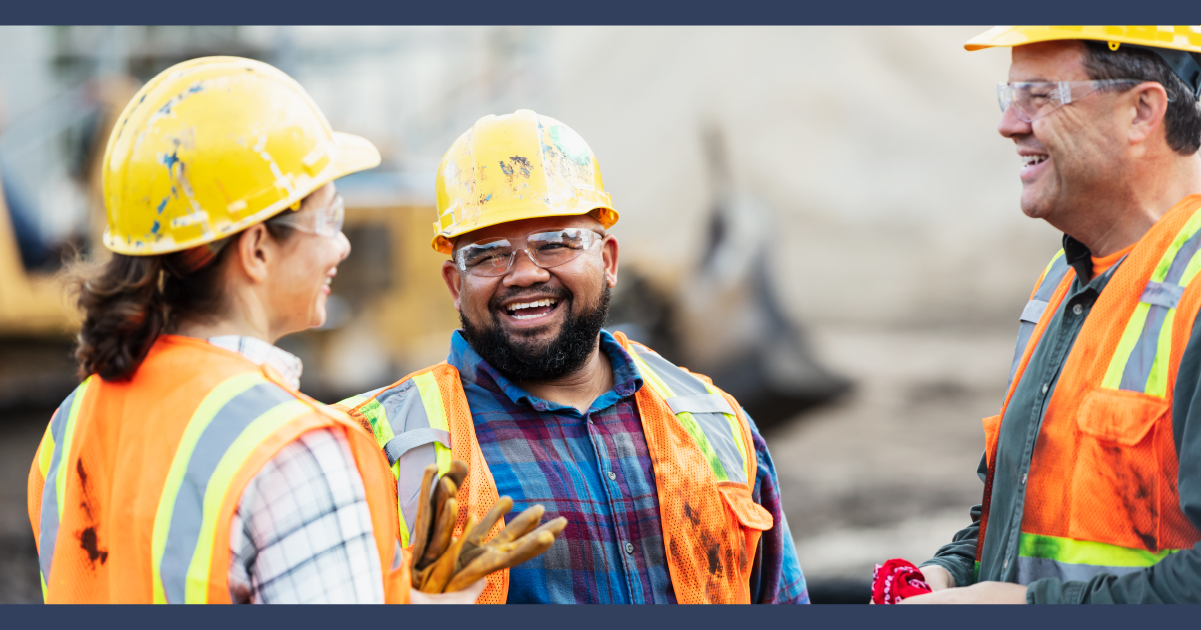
x=1035, y=99
x=327, y=221
x=546, y=248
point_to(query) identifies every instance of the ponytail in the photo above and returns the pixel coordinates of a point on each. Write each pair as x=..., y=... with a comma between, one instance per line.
x=131, y=300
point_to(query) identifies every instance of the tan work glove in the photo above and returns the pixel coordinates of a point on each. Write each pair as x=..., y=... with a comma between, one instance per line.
x=444, y=564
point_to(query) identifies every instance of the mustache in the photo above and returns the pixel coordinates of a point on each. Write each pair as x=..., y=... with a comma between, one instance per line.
x=497, y=302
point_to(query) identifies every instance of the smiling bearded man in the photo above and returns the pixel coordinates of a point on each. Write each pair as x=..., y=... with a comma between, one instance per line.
x=668, y=489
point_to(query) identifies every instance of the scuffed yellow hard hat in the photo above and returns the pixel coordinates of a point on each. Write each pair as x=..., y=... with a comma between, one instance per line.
x=1186, y=38
x=212, y=146
x=512, y=167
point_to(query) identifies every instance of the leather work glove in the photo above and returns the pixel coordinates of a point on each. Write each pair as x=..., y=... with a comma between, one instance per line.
x=444, y=564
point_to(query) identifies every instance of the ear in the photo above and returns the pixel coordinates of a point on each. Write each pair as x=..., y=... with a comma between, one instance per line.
x=1150, y=103
x=609, y=249
x=453, y=280
x=256, y=251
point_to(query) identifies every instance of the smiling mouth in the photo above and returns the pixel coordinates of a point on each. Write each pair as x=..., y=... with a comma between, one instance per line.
x=1032, y=160
x=532, y=309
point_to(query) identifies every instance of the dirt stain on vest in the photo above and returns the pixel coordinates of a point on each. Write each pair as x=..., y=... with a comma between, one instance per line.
x=1136, y=492
x=88, y=540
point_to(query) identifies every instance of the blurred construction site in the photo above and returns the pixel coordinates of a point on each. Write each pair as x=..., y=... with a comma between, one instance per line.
x=823, y=219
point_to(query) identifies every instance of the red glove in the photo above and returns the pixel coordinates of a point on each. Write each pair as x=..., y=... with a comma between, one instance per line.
x=896, y=580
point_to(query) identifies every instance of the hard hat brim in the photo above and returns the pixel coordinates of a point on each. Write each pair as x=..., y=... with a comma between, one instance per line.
x=445, y=243
x=1010, y=36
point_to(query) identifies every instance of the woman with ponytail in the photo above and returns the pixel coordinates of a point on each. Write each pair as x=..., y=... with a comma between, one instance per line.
x=187, y=467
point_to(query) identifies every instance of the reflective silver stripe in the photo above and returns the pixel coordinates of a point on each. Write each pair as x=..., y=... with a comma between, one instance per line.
x=1033, y=311
x=406, y=414
x=188, y=512
x=409, y=440
x=700, y=403
x=1035, y=308
x=48, y=531
x=1031, y=569
x=715, y=424
x=680, y=382
x=1162, y=294
x=1142, y=356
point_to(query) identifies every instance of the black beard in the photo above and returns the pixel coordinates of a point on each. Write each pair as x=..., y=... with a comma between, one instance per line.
x=521, y=361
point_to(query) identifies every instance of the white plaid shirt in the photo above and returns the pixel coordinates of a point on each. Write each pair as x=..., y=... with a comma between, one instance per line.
x=302, y=532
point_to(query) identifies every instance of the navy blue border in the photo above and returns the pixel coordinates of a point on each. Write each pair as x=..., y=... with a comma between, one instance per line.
x=595, y=617
x=594, y=12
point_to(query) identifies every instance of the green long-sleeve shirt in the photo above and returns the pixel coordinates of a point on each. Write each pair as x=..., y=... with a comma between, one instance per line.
x=1176, y=578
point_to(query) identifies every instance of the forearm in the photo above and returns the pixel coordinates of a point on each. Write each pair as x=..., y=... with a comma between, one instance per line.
x=1174, y=580
x=776, y=577
x=959, y=557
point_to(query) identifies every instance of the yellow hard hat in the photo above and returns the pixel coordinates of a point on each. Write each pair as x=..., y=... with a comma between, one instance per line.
x=512, y=167
x=1178, y=46
x=212, y=146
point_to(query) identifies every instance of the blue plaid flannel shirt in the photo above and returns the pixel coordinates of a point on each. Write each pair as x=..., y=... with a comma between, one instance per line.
x=595, y=469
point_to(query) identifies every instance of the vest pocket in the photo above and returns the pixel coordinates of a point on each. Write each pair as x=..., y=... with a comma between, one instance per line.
x=750, y=515
x=1115, y=479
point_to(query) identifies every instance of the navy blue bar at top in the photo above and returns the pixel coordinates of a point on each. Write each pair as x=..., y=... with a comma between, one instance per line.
x=595, y=12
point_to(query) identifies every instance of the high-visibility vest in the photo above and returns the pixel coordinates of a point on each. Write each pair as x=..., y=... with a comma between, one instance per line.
x=698, y=440
x=1101, y=492
x=135, y=483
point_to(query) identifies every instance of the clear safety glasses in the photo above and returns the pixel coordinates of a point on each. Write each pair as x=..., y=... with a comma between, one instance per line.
x=1033, y=100
x=548, y=248
x=327, y=221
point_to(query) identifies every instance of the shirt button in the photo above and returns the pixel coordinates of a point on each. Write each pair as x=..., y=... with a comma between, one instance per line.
x=1005, y=565
x=612, y=475
x=1077, y=309
x=1046, y=387
x=630, y=548
x=1023, y=478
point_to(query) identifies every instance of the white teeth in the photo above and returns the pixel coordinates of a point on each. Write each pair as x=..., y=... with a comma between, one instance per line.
x=513, y=308
x=1030, y=160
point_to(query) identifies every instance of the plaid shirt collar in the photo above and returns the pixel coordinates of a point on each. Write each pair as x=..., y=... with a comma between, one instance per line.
x=259, y=352
x=473, y=368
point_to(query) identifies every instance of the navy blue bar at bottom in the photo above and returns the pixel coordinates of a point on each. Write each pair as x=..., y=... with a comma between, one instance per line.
x=595, y=617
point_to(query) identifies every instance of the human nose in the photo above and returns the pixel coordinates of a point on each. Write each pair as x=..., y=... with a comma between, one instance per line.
x=1011, y=126
x=344, y=245
x=524, y=272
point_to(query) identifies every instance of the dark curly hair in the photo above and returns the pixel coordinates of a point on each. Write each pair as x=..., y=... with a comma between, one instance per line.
x=128, y=301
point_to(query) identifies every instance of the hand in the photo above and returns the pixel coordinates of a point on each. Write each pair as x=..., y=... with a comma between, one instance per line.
x=444, y=564
x=465, y=596
x=981, y=593
x=937, y=578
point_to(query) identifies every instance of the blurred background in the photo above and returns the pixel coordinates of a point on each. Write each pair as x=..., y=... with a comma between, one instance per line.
x=823, y=219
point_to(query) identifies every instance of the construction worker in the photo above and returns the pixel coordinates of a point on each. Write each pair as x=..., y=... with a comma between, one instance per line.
x=187, y=467
x=669, y=491
x=1092, y=470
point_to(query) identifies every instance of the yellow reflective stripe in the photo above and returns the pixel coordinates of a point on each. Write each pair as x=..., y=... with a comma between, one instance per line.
x=685, y=418
x=1071, y=551
x=218, y=487
x=204, y=414
x=60, y=475
x=1185, y=233
x=735, y=430
x=1117, y=364
x=1157, y=381
x=431, y=399
x=404, y=527
x=1194, y=265
x=46, y=452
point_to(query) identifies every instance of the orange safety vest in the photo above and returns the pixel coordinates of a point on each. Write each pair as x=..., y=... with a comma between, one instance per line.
x=699, y=443
x=135, y=483
x=1101, y=493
